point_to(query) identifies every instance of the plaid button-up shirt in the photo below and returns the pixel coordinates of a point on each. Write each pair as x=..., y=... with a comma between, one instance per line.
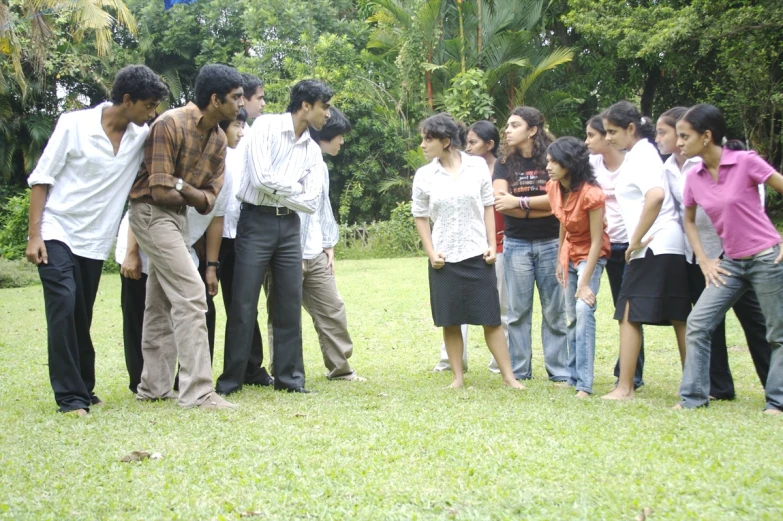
x=174, y=151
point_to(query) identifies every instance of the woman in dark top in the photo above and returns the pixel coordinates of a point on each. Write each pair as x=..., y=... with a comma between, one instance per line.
x=530, y=247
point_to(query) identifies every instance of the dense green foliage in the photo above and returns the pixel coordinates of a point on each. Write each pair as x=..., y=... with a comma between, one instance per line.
x=393, y=62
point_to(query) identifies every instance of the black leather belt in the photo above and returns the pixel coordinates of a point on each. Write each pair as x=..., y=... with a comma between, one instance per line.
x=278, y=211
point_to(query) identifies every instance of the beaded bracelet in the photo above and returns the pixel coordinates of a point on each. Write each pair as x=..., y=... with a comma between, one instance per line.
x=524, y=203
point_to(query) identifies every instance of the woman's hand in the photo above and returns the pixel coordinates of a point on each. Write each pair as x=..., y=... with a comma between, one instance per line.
x=131, y=265
x=437, y=260
x=559, y=274
x=712, y=272
x=490, y=255
x=505, y=201
x=584, y=292
x=636, y=246
x=779, y=258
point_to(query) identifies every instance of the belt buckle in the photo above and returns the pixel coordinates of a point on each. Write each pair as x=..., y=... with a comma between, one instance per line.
x=280, y=211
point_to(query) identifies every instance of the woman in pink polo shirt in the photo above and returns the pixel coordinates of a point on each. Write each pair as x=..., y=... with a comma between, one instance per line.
x=725, y=184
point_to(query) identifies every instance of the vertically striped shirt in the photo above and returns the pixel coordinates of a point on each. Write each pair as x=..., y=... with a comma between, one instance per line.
x=280, y=170
x=320, y=230
x=174, y=150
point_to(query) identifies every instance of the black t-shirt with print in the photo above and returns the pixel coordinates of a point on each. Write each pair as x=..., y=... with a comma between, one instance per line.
x=526, y=181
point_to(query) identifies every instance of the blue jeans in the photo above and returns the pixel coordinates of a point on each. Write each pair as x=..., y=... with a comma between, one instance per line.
x=766, y=278
x=581, y=326
x=530, y=263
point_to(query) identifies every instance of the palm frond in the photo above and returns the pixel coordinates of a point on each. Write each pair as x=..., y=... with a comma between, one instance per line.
x=557, y=57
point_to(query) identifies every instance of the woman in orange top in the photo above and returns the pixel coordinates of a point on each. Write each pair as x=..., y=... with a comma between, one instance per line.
x=577, y=201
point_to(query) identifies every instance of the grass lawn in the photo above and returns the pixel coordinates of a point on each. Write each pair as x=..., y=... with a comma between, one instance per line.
x=399, y=446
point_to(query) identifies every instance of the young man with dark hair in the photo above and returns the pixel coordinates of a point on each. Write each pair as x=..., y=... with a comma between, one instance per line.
x=183, y=166
x=255, y=373
x=281, y=178
x=254, y=95
x=79, y=188
x=320, y=234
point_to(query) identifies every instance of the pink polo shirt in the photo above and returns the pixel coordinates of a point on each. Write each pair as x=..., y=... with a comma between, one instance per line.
x=733, y=204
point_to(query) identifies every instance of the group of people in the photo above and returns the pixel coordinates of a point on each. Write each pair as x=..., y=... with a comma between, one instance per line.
x=210, y=202
x=220, y=194
x=682, y=242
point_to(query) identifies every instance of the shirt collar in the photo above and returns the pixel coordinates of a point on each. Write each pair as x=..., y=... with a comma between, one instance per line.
x=288, y=126
x=96, y=125
x=727, y=157
x=195, y=113
x=439, y=167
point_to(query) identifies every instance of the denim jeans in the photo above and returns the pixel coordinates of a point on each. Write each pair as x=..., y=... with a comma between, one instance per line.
x=581, y=326
x=766, y=279
x=530, y=263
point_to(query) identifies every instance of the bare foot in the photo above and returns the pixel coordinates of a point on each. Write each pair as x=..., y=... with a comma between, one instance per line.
x=77, y=412
x=456, y=384
x=582, y=394
x=619, y=394
x=514, y=384
x=773, y=412
x=678, y=407
x=561, y=385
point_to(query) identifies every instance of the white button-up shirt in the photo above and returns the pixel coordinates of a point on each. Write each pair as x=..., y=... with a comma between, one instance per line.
x=455, y=204
x=234, y=166
x=280, y=170
x=320, y=230
x=88, y=183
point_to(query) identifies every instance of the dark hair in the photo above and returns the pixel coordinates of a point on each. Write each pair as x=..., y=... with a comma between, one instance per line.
x=442, y=126
x=623, y=113
x=241, y=116
x=139, y=82
x=309, y=91
x=541, y=140
x=572, y=154
x=705, y=117
x=336, y=125
x=597, y=124
x=215, y=79
x=487, y=132
x=735, y=144
x=673, y=115
x=250, y=84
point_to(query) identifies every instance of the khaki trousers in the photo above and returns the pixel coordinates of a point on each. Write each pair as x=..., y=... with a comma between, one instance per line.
x=325, y=306
x=175, y=325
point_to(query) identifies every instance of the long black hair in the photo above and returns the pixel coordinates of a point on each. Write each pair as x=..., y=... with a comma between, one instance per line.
x=487, y=132
x=673, y=115
x=572, y=154
x=597, y=124
x=541, y=140
x=623, y=113
x=443, y=126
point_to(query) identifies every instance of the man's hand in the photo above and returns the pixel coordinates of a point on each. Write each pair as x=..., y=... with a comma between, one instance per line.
x=36, y=251
x=329, y=259
x=505, y=202
x=131, y=265
x=437, y=260
x=212, y=281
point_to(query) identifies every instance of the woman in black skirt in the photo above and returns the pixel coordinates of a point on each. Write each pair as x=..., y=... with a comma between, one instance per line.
x=655, y=287
x=454, y=191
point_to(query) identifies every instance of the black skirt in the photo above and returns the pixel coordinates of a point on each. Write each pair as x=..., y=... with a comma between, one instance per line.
x=656, y=288
x=464, y=292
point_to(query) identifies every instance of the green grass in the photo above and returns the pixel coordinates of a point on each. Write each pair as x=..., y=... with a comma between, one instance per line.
x=400, y=446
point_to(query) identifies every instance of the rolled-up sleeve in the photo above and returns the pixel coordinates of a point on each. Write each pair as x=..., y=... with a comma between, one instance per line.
x=420, y=204
x=159, y=154
x=55, y=154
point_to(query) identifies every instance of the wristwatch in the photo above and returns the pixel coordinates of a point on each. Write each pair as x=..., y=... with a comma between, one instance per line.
x=213, y=264
x=179, y=185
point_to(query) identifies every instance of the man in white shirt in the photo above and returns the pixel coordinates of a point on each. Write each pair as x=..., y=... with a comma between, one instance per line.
x=320, y=234
x=79, y=188
x=255, y=373
x=281, y=177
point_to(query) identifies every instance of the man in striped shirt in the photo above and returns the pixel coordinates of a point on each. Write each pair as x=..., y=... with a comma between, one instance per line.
x=282, y=176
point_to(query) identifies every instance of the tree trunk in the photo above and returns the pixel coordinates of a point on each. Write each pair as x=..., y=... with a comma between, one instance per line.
x=650, y=86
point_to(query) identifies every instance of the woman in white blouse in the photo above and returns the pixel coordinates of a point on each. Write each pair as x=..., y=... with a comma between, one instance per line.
x=454, y=191
x=655, y=287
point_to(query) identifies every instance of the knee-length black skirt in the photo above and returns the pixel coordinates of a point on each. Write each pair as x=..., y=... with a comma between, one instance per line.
x=464, y=292
x=656, y=290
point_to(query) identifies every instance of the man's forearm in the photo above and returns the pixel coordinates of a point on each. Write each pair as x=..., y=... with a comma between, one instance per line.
x=38, y=195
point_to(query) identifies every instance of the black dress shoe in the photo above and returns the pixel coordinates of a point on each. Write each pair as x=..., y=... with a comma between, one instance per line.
x=264, y=381
x=299, y=390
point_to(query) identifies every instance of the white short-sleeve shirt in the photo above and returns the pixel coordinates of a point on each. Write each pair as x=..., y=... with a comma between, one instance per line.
x=455, y=205
x=89, y=184
x=642, y=171
x=615, y=226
